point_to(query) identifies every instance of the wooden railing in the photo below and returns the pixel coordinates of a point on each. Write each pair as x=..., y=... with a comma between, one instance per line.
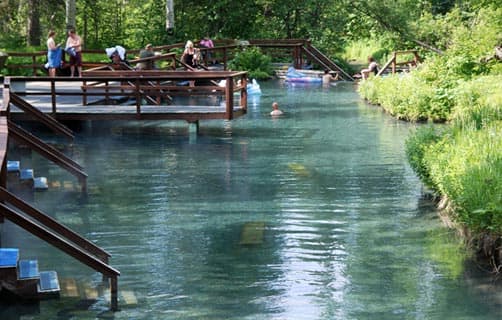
x=142, y=85
x=295, y=51
x=393, y=62
x=49, y=121
x=49, y=152
x=57, y=240
x=42, y=225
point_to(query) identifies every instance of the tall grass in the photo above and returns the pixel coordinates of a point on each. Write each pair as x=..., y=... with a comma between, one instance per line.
x=466, y=166
x=358, y=51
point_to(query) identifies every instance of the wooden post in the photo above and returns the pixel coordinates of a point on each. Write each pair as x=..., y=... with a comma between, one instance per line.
x=394, y=59
x=114, y=293
x=53, y=97
x=244, y=92
x=229, y=98
x=138, y=98
x=84, y=93
x=34, y=61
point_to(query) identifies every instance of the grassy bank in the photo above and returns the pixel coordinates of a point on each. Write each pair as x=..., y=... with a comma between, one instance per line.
x=460, y=160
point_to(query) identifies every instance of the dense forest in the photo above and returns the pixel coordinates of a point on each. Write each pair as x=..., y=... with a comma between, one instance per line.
x=459, y=84
x=331, y=24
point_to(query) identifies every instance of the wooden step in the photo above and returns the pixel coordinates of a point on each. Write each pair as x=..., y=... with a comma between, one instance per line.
x=26, y=177
x=40, y=183
x=26, y=174
x=9, y=257
x=49, y=283
x=13, y=166
x=28, y=269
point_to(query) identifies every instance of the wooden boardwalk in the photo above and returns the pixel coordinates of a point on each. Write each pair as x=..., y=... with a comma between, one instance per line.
x=132, y=96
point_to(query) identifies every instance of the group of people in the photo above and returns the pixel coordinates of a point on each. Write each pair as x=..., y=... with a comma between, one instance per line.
x=73, y=48
x=192, y=56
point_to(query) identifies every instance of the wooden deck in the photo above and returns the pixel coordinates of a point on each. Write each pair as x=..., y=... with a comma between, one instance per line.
x=132, y=96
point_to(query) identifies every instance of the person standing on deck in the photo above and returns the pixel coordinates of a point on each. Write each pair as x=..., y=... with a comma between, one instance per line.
x=74, y=48
x=53, y=54
x=207, y=43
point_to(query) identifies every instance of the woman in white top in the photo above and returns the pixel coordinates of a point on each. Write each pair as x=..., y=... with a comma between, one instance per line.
x=53, y=54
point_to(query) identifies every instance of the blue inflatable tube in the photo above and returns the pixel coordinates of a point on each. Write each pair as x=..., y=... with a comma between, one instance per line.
x=305, y=80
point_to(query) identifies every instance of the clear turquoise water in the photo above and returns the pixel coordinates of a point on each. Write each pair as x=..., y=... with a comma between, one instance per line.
x=339, y=227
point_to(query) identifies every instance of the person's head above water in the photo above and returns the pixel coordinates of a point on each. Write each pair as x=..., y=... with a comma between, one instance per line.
x=275, y=109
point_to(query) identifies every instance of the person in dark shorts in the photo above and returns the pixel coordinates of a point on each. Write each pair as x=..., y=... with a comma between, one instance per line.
x=74, y=48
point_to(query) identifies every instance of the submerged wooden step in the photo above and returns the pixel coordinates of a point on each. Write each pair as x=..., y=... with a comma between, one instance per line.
x=252, y=233
x=13, y=166
x=69, y=288
x=28, y=269
x=9, y=257
x=26, y=174
x=49, y=282
x=40, y=183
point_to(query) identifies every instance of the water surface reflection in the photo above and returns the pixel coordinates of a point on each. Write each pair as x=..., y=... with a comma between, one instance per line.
x=313, y=215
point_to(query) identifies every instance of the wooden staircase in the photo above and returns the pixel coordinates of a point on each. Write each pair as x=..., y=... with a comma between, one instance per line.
x=24, y=177
x=21, y=279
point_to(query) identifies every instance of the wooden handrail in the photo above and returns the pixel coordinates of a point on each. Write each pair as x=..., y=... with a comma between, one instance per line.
x=65, y=246
x=322, y=59
x=49, y=222
x=135, y=80
x=393, y=60
x=223, y=48
x=48, y=152
x=49, y=121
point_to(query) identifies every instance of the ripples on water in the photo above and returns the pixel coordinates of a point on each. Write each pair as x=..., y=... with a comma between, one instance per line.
x=314, y=215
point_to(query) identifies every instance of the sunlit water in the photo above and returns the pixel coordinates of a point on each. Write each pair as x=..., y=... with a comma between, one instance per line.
x=312, y=215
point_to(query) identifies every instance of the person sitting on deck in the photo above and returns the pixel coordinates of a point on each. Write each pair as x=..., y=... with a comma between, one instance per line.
x=146, y=53
x=117, y=55
x=372, y=67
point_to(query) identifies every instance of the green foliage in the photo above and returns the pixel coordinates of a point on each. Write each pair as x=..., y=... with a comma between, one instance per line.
x=252, y=60
x=359, y=50
x=478, y=102
x=407, y=97
x=466, y=166
x=417, y=146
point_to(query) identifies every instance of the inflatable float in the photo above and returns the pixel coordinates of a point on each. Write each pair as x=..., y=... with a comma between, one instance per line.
x=253, y=88
x=294, y=76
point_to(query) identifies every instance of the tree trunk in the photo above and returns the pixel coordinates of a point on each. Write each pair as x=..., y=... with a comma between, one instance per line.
x=34, y=32
x=169, y=15
x=71, y=13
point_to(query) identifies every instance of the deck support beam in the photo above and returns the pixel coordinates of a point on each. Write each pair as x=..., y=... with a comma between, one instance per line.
x=193, y=128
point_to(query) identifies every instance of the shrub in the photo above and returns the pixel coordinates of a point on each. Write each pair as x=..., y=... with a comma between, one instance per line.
x=478, y=102
x=252, y=60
